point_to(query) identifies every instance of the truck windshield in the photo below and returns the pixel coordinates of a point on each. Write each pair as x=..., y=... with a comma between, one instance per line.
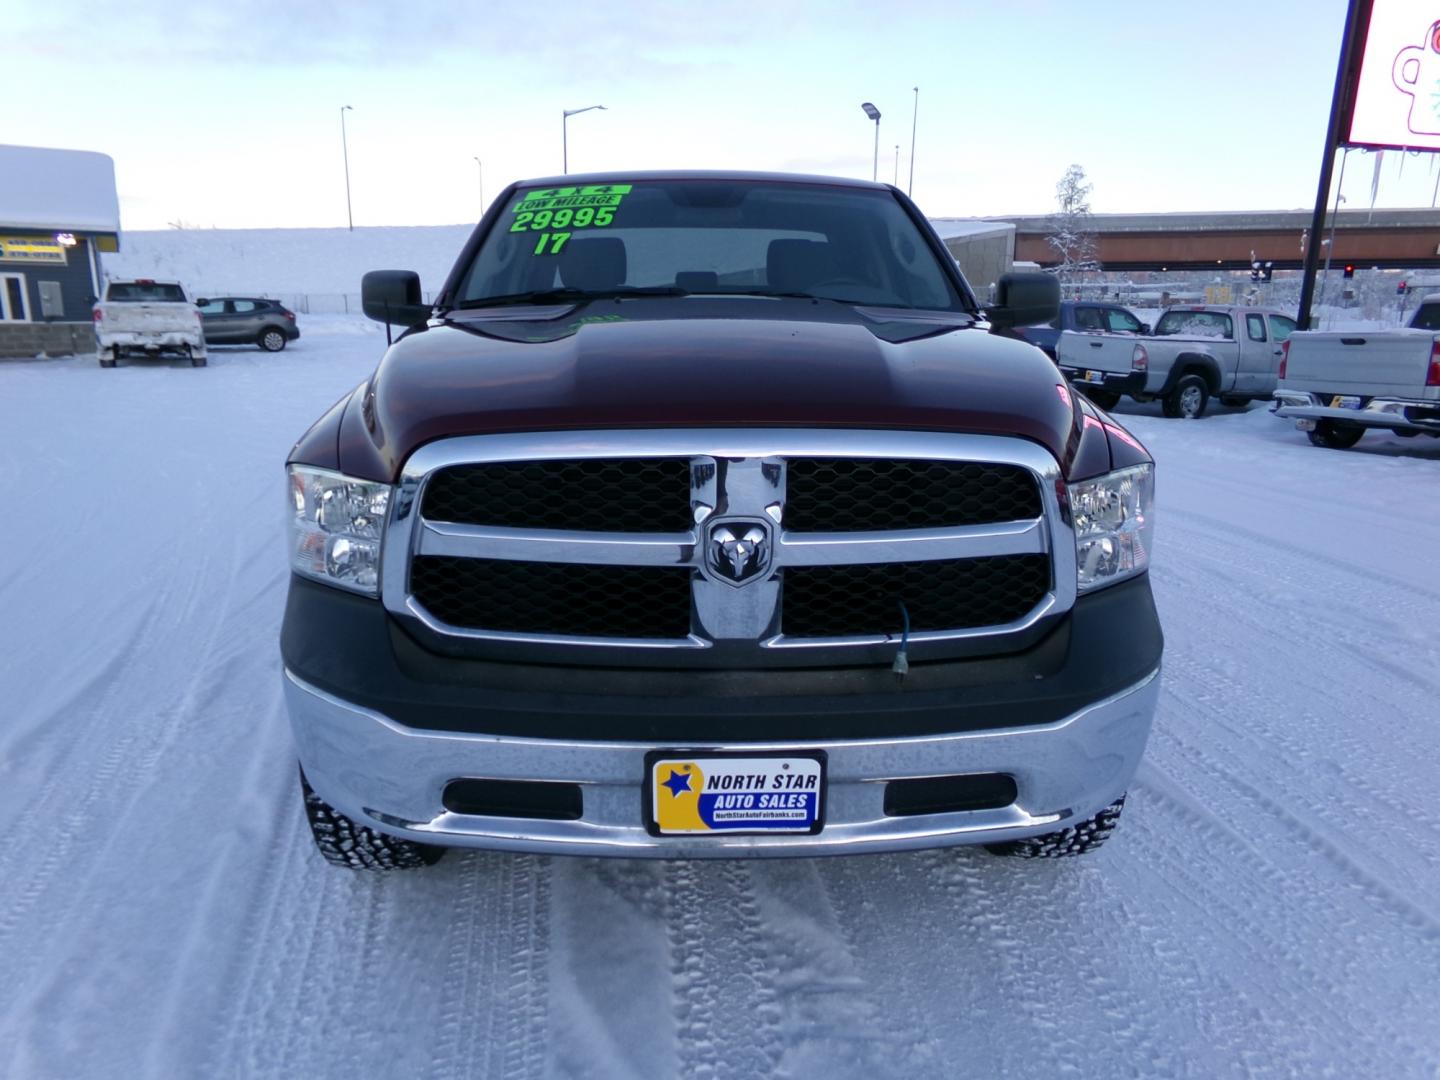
x=1212, y=324
x=710, y=237
x=143, y=290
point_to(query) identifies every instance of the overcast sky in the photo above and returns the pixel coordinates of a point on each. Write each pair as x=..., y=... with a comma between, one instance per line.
x=228, y=114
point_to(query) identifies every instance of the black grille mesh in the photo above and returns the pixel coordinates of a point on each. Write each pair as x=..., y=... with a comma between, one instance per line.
x=955, y=594
x=601, y=495
x=863, y=494
x=554, y=598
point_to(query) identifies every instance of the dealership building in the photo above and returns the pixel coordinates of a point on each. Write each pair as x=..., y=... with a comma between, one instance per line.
x=58, y=214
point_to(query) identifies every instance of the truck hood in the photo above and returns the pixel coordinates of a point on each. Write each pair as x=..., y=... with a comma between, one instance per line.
x=700, y=362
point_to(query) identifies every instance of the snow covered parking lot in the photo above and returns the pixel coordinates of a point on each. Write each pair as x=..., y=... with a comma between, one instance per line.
x=1267, y=907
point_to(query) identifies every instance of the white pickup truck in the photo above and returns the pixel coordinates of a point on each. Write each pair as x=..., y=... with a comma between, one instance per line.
x=1195, y=353
x=1337, y=384
x=147, y=318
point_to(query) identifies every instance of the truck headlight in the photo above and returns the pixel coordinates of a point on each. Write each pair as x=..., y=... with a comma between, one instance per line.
x=1114, y=518
x=336, y=527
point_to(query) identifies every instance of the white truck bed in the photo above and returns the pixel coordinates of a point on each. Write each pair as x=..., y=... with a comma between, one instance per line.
x=1337, y=384
x=147, y=318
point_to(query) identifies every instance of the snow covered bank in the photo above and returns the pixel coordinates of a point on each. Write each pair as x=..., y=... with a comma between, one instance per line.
x=284, y=262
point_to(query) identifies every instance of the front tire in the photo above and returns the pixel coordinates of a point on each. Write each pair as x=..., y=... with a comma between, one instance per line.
x=271, y=340
x=1076, y=840
x=1335, y=434
x=106, y=357
x=1188, y=399
x=347, y=843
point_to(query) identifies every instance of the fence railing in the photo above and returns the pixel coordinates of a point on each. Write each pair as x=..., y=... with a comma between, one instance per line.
x=309, y=303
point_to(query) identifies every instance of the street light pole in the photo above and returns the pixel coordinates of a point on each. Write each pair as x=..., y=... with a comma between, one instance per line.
x=914, y=120
x=481, y=170
x=897, y=164
x=345, y=150
x=874, y=114
x=565, y=134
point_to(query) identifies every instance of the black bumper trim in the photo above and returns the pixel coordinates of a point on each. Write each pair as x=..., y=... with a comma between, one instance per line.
x=348, y=646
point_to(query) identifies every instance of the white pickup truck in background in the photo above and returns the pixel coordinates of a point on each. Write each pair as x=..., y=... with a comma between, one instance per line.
x=147, y=318
x=1336, y=384
x=1195, y=353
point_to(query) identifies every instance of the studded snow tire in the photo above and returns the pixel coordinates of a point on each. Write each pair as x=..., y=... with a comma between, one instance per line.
x=347, y=843
x=1076, y=840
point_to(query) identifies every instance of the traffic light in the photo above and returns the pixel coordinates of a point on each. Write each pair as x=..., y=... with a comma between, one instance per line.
x=1269, y=270
x=1254, y=271
x=1349, y=270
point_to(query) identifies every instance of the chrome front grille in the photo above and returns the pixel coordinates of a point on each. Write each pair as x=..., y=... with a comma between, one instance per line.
x=781, y=546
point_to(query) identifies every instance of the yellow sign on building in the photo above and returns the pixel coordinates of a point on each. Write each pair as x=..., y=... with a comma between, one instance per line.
x=32, y=249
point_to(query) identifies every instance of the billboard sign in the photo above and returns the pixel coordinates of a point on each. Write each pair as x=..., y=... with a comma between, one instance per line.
x=1397, y=95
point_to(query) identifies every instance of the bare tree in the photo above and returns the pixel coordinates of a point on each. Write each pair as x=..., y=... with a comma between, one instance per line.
x=1071, y=236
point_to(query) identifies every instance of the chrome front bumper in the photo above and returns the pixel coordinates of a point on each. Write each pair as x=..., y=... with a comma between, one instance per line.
x=391, y=777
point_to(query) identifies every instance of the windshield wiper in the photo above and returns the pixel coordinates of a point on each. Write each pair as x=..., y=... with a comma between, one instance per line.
x=572, y=296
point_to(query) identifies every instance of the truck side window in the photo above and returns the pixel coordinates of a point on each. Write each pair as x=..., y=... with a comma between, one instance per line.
x=1089, y=318
x=1255, y=327
x=1427, y=318
x=1190, y=323
x=1281, y=327
x=1121, y=321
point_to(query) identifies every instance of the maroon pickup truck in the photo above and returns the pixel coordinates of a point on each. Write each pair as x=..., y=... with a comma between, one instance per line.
x=709, y=515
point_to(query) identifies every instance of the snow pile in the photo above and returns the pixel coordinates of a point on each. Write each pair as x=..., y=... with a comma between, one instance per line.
x=325, y=265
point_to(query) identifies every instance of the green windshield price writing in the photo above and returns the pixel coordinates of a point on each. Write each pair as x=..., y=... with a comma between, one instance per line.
x=559, y=209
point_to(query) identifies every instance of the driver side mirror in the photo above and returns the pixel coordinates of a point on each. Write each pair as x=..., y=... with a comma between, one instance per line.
x=393, y=297
x=1145, y=329
x=201, y=302
x=1024, y=299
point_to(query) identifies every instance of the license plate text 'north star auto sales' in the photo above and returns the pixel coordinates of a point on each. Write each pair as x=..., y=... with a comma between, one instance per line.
x=701, y=794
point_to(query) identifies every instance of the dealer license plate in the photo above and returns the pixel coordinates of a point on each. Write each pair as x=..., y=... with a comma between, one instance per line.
x=1094, y=376
x=699, y=794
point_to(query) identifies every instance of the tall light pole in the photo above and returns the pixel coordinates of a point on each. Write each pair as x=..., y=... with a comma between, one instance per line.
x=565, y=134
x=481, y=170
x=914, y=119
x=874, y=114
x=897, y=165
x=345, y=150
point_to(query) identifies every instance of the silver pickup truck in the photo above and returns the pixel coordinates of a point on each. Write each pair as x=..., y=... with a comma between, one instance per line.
x=1195, y=353
x=1336, y=385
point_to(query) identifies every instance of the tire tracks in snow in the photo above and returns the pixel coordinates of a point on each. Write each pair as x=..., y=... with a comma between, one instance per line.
x=726, y=1018
x=836, y=1019
x=1284, y=935
x=77, y=820
x=523, y=1052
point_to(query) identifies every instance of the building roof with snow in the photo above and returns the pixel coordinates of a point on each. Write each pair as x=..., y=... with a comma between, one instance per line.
x=58, y=191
